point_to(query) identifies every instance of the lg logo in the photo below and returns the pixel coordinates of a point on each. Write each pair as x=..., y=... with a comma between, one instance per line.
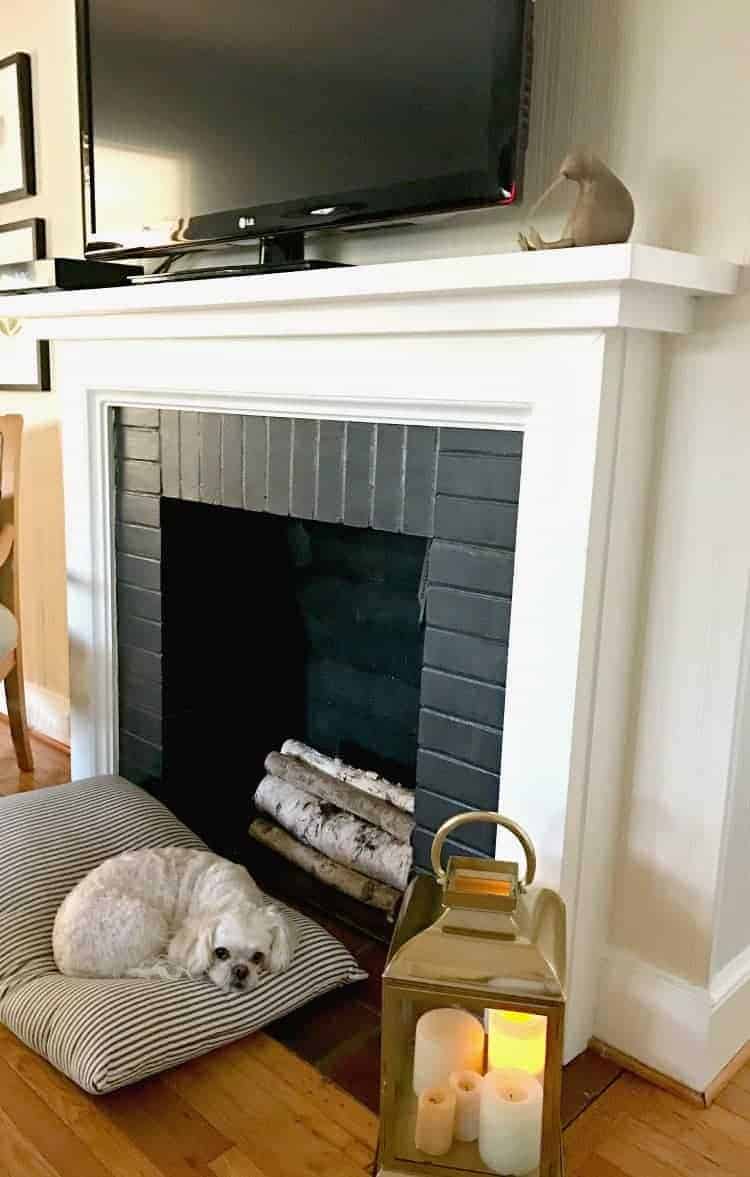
x=246, y=222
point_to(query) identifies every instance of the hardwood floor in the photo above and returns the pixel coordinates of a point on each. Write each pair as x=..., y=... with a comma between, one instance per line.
x=254, y=1109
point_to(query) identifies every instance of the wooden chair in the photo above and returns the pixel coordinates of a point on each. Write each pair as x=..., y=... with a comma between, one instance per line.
x=11, y=664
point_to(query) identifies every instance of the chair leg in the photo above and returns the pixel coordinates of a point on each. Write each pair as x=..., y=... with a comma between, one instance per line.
x=16, y=699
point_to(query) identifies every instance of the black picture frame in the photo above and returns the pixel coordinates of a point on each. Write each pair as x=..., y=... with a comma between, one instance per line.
x=37, y=229
x=21, y=62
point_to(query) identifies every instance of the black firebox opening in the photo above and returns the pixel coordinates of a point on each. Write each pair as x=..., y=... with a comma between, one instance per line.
x=275, y=628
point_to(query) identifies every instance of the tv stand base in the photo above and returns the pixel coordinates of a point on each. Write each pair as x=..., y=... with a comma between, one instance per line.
x=237, y=271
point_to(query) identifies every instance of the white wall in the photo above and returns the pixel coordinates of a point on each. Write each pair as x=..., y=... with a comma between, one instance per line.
x=668, y=86
x=45, y=29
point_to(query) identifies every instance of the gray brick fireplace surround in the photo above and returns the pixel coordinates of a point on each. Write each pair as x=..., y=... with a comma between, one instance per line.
x=456, y=487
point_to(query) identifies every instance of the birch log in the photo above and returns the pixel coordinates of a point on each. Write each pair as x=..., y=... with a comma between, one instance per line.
x=367, y=782
x=340, y=836
x=350, y=882
x=372, y=809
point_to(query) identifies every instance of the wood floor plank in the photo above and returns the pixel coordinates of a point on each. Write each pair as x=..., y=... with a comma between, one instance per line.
x=333, y=1102
x=300, y=1103
x=596, y=1166
x=264, y=1130
x=177, y=1139
x=633, y=1161
x=82, y=1113
x=695, y=1130
x=742, y=1078
x=671, y=1152
x=53, y=1140
x=729, y=1124
x=235, y=1164
x=18, y=1158
x=735, y=1099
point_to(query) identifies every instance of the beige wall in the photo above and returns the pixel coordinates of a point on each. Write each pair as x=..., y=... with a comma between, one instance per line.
x=45, y=29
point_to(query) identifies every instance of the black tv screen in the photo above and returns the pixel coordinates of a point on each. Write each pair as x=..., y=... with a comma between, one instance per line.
x=219, y=120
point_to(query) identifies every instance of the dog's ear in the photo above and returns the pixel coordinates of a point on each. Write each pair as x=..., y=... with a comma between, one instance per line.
x=283, y=939
x=192, y=946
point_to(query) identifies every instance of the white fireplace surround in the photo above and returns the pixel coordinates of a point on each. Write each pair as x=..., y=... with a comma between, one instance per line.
x=564, y=346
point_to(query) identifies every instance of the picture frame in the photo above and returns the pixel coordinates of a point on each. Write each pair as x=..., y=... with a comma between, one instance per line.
x=17, y=166
x=24, y=362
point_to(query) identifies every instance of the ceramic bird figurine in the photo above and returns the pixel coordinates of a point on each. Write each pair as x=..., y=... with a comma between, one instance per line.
x=603, y=213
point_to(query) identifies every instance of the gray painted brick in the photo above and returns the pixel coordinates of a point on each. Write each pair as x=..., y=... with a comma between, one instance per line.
x=136, y=602
x=255, y=430
x=330, y=472
x=138, y=692
x=170, y=452
x=141, y=444
x=471, y=742
x=210, y=457
x=481, y=441
x=132, y=540
x=388, y=493
x=142, y=755
x=357, y=482
x=140, y=418
x=485, y=616
x=140, y=634
x=140, y=663
x=452, y=778
x=135, y=508
x=142, y=724
x=141, y=573
x=479, y=569
x=482, y=702
x=231, y=460
x=304, y=461
x=480, y=476
x=190, y=485
x=419, y=493
x=422, y=843
x=279, y=464
x=143, y=477
x=476, y=521
x=460, y=653
x=431, y=811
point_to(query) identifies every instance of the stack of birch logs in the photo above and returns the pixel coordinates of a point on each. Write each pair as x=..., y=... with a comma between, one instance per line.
x=348, y=828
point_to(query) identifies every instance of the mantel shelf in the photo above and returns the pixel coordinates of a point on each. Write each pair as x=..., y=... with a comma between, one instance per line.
x=636, y=286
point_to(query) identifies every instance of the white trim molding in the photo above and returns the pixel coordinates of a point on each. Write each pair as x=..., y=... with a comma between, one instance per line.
x=689, y=1032
x=563, y=346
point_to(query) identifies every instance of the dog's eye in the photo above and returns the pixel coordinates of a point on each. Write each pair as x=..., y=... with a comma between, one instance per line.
x=221, y=953
x=257, y=958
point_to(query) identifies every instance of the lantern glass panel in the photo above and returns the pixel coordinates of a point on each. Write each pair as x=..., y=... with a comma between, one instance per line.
x=427, y=1105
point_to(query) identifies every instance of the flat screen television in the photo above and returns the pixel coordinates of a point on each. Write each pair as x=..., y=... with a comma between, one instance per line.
x=212, y=121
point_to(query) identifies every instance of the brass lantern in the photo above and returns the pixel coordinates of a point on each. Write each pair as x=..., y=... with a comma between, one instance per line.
x=473, y=1010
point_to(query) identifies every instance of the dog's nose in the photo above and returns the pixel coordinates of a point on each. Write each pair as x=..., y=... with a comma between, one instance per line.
x=239, y=972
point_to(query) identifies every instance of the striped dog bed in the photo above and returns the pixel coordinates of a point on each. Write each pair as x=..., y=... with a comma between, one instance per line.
x=105, y=1034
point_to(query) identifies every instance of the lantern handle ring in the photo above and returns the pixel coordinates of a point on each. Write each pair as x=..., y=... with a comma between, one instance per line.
x=496, y=819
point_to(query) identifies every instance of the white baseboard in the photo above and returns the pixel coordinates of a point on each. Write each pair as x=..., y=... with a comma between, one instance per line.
x=685, y=1031
x=47, y=712
x=730, y=1017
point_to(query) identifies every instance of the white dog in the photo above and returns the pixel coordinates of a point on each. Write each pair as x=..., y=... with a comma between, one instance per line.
x=192, y=909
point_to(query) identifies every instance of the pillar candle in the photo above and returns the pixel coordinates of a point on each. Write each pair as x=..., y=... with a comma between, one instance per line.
x=516, y=1040
x=446, y=1040
x=436, y=1109
x=467, y=1086
x=510, y=1122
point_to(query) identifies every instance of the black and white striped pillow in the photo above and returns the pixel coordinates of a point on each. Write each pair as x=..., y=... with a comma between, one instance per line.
x=105, y=1034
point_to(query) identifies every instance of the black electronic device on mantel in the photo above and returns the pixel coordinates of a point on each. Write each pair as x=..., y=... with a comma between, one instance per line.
x=208, y=122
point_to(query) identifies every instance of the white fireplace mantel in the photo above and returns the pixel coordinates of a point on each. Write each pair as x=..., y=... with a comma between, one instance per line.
x=563, y=345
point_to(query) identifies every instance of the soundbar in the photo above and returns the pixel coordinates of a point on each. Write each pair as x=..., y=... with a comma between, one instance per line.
x=62, y=273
